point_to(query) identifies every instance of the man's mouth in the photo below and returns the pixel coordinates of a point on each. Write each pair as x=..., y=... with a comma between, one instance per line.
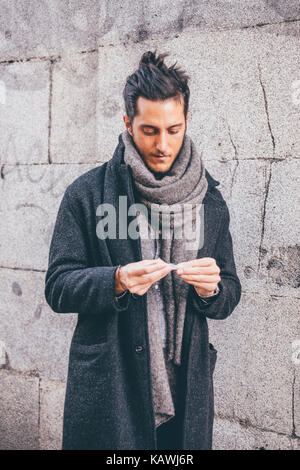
x=161, y=157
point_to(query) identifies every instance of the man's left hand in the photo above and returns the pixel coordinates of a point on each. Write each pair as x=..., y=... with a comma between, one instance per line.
x=203, y=273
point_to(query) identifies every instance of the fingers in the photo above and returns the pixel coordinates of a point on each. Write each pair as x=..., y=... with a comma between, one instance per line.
x=211, y=286
x=140, y=284
x=146, y=266
x=198, y=262
x=148, y=270
x=159, y=273
x=164, y=271
x=194, y=271
x=201, y=266
x=139, y=276
x=201, y=272
x=200, y=278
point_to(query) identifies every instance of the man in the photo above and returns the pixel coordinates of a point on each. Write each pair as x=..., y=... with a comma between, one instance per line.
x=141, y=366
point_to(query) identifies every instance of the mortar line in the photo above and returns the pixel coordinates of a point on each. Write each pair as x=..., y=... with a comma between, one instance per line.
x=23, y=269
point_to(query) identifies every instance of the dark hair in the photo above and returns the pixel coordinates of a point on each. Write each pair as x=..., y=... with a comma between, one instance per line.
x=155, y=81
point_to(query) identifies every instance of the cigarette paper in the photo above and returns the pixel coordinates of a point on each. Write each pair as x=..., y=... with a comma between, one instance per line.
x=174, y=266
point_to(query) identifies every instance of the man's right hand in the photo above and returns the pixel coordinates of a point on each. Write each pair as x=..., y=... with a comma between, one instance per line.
x=139, y=277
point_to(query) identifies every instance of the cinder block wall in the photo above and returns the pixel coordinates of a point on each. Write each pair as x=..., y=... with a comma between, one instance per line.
x=62, y=70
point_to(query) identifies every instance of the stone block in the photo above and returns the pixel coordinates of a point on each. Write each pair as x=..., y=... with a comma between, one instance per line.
x=227, y=104
x=280, y=248
x=47, y=28
x=263, y=224
x=242, y=184
x=75, y=109
x=36, y=339
x=19, y=411
x=28, y=214
x=24, y=112
x=279, y=64
x=255, y=370
x=43, y=29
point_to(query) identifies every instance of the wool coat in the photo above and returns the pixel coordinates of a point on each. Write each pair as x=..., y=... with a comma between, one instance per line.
x=108, y=400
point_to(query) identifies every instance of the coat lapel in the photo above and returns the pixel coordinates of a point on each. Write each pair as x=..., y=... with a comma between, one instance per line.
x=118, y=191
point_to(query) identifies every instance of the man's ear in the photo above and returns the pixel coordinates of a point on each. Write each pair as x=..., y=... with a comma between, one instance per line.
x=187, y=117
x=127, y=123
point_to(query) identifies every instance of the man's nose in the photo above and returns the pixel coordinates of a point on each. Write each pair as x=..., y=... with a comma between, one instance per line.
x=162, y=144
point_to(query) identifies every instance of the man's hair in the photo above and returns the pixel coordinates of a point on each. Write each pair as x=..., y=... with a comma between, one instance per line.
x=155, y=81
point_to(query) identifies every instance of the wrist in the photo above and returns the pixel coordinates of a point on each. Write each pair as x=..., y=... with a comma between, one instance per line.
x=207, y=294
x=120, y=287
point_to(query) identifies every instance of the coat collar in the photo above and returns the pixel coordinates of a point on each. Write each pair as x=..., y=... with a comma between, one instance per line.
x=119, y=166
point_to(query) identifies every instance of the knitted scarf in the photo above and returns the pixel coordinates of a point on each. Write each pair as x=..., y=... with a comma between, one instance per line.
x=174, y=204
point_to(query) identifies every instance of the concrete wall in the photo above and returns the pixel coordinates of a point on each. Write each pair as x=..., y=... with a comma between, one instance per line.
x=63, y=66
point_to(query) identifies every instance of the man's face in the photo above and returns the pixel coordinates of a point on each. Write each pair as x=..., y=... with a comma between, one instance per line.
x=158, y=130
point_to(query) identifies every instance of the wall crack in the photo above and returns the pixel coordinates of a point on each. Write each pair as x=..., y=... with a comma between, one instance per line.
x=266, y=107
x=267, y=186
x=235, y=159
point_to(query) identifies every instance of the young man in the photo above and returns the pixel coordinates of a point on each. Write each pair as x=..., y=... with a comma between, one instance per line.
x=141, y=366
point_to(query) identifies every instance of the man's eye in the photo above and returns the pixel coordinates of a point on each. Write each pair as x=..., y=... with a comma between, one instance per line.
x=152, y=133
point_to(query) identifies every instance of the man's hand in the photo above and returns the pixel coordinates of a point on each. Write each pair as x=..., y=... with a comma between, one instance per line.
x=203, y=273
x=139, y=277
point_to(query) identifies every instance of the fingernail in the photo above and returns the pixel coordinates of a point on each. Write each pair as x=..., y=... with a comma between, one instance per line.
x=179, y=271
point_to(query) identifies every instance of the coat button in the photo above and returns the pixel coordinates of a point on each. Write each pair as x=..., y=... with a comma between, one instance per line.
x=139, y=349
x=156, y=286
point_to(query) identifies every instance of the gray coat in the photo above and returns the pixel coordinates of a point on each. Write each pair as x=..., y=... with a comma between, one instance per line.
x=108, y=402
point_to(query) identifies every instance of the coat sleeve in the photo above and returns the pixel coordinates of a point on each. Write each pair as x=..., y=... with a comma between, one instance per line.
x=72, y=285
x=222, y=305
